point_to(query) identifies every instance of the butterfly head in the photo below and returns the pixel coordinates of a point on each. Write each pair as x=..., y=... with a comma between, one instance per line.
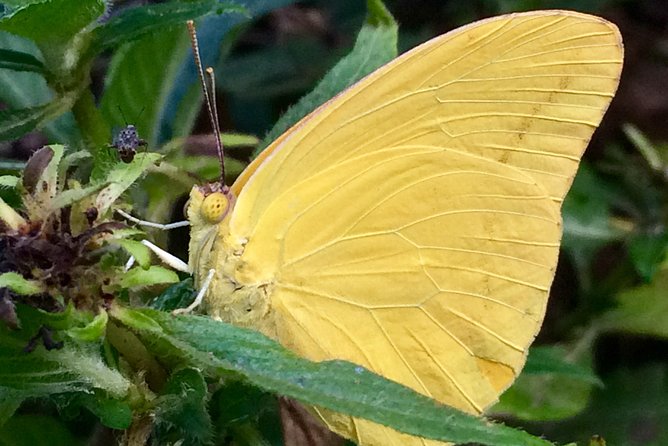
x=209, y=205
x=208, y=211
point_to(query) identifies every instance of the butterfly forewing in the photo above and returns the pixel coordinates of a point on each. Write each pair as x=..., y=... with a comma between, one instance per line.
x=524, y=89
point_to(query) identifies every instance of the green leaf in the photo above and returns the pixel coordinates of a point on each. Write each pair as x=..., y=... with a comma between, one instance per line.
x=159, y=67
x=642, y=310
x=22, y=90
x=71, y=196
x=181, y=410
x=587, y=220
x=143, y=74
x=551, y=360
x=16, y=123
x=146, y=277
x=121, y=177
x=645, y=147
x=630, y=411
x=127, y=232
x=113, y=413
x=551, y=387
x=36, y=430
x=284, y=70
x=138, y=250
x=224, y=350
x=647, y=251
x=236, y=408
x=61, y=320
x=185, y=112
x=93, y=331
x=72, y=159
x=217, y=35
x=248, y=415
x=73, y=367
x=379, y=15
x=61, y=44
x=542, y=398
x=20, y=285
x=207, y=168
x=10, y=401
x=375, y=46
x=237, y=402
x=9, y=216
x=229, y=140
x=179, y=295
x=19, y=61
x=238, y=139
x=587, y=212
x=65, y=18
x=9, y=181
x=140, y=77
x=135, y=23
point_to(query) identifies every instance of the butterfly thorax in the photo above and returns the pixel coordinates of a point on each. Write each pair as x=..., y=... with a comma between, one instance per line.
x=213, y=247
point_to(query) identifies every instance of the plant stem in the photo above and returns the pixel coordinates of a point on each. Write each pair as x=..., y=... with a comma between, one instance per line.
x=95, y=131
x=138, y=432
x=136, y=354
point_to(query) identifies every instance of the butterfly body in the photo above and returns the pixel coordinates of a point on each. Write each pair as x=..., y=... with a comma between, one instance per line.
x=412, y=223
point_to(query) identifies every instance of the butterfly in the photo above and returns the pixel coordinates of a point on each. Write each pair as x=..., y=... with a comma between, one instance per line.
x=412, y=223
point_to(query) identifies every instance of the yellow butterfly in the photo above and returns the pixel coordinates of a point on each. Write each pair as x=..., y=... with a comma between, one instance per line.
x=412, y=223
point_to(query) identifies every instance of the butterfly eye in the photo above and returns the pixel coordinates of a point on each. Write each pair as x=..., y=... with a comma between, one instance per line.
x=215, y=207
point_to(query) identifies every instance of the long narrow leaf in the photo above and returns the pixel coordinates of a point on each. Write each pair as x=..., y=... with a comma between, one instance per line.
x=134, y=23
x=28, y=89
x=52, y=21
x=42, y=372
x=225, y=350
x=19, y=61
x=16, y=123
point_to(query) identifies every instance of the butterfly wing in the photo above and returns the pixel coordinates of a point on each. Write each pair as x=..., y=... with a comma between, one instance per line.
x=524, y=89
x=412, y=224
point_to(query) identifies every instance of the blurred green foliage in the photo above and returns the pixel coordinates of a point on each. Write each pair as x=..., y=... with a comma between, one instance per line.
x=600, y=364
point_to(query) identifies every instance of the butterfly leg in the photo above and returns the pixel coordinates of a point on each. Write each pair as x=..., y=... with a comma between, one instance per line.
x=169, y=259
x=182, y=266
x=129, y=263
x=200, y=295
x=164, y=255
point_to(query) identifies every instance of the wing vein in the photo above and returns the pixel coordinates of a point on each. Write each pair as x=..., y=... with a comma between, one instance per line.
x=503, y=277
x=401, y=356
x=486, y=329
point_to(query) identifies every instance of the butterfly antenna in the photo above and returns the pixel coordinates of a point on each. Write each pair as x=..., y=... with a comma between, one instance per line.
x=209, y=97
x=216, y=124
